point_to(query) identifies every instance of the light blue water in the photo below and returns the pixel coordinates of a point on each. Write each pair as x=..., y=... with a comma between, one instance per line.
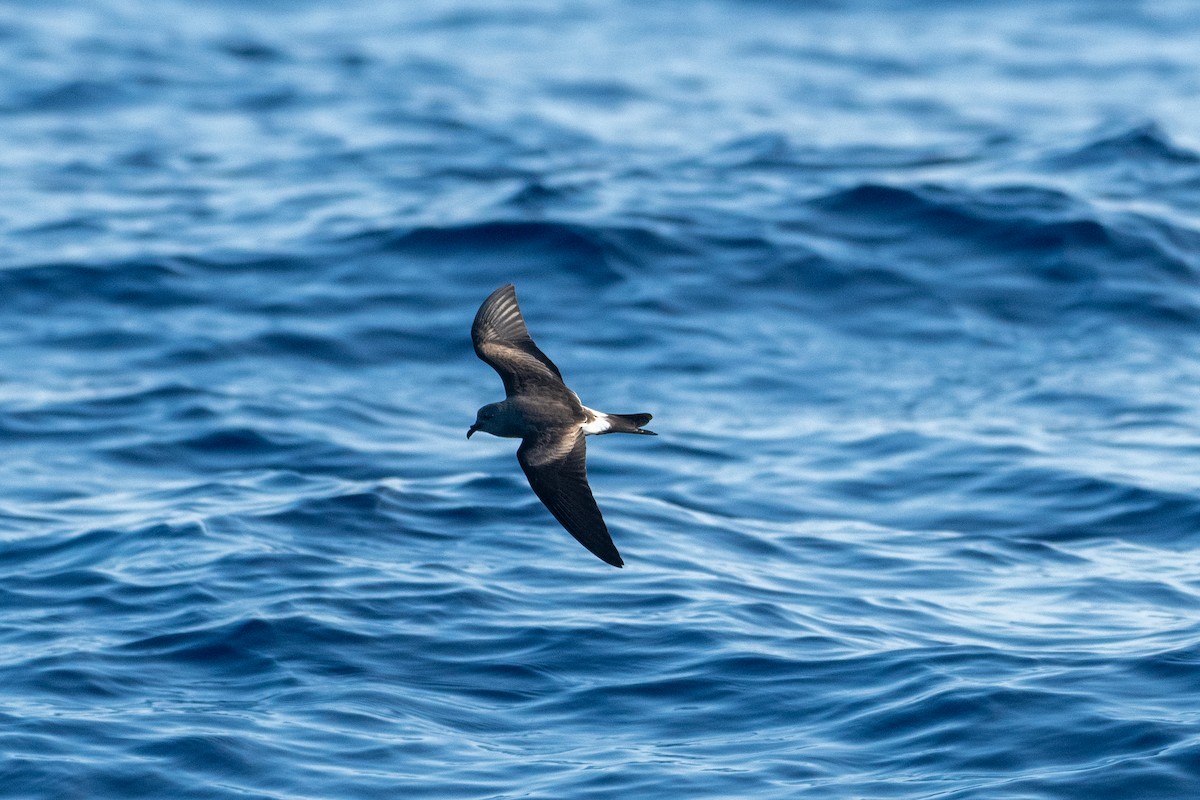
x=912, y=294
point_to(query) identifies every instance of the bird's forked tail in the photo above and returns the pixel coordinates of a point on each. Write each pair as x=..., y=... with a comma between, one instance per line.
x=629, y=423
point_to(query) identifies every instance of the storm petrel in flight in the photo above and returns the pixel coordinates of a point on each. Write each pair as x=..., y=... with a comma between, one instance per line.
x=549, y=420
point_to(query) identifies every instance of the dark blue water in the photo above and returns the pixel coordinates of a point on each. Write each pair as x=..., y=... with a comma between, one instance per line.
x=914, y=297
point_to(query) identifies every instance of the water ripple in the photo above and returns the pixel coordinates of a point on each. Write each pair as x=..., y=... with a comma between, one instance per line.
x=911, y=293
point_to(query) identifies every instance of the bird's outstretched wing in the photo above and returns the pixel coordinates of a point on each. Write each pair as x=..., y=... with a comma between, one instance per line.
x=555, y=462
x=503, y=342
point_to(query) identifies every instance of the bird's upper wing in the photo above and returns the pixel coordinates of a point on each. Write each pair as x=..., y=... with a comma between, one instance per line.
x=555, y=462
x=502, y=341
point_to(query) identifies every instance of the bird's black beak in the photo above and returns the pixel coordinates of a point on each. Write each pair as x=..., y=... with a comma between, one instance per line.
x=471, y=430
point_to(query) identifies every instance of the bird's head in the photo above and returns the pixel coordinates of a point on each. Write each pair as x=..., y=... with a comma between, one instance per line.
x=494, y=419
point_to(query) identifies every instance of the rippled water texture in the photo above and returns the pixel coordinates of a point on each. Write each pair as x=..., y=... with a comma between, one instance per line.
x=912, y=295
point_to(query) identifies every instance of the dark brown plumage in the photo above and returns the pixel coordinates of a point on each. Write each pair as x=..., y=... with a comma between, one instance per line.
x=548, y=418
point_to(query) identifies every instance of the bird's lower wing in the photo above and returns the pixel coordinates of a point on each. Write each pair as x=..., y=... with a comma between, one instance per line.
x=556, y=465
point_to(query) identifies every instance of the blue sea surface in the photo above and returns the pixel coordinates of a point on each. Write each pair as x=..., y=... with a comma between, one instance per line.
x=912, y=291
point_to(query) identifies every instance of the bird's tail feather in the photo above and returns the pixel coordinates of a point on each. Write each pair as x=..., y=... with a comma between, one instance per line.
x=629, y=423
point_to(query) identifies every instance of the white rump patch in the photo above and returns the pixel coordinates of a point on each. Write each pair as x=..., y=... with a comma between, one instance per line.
x=599, y=425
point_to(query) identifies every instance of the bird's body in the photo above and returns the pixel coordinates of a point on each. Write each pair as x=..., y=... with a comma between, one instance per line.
x=548, y=418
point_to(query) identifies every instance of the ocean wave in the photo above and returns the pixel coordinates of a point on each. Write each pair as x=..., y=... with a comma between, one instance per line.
x=600, y=255
x=1017, y=253
x=912, y=295
x=141, y=284
x=234, y=448
x=1143, y=144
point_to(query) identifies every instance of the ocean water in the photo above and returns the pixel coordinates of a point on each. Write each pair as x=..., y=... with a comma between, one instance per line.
x=912, y=292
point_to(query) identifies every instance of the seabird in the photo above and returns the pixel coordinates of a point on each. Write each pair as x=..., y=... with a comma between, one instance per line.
x=549, y=420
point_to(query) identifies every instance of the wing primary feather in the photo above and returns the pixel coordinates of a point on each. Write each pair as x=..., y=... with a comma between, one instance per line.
x=499, y=321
